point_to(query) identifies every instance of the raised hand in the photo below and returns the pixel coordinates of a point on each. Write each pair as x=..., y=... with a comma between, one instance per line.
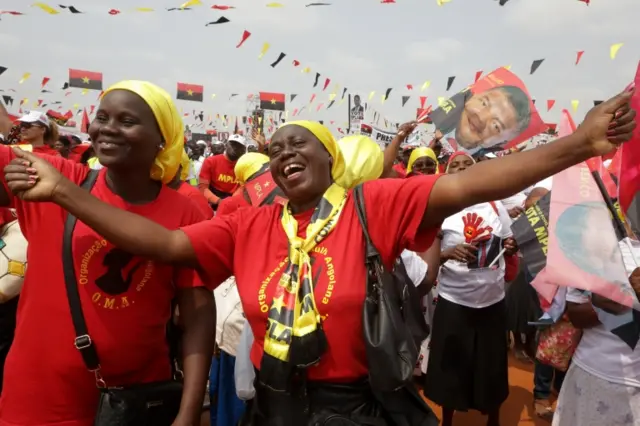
x=32, y=178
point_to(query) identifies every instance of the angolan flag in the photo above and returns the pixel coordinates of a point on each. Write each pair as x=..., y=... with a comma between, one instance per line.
x=85, y=79
x=272, y=101
x=190, y=92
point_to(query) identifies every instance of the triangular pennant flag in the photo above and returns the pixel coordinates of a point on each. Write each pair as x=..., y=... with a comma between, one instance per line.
x=220, y=20
x=312, y=98
x=409, y=86
x=372, y=94
x=71, y=9
x=65, y=86
x=535, y=65
x=344, y=92
x=190, y=3
x=579, y=56
x=330, y=104
x=44, y=82
x=441, y=2
x=386, y=95
x=405, y=99
x=478, y=75
x=507, y=67
x=425, y=85
x=296, y=62
x=2, y=70
x=423, y=100
x=277, y=61
x=575, y=104
x=450, y=82
x=503, y=2
x=8, y=100
x=265, y=49
x=293, y=96
x=320, y=105
x=596, y=103
x=46, y=8
x=245, y=35
x=613, y=50
x=550, y=104
x=275, y=5
x=332, y=97
x=326, y=84
x=315, y=83
x=25, y=77
x=306, y=70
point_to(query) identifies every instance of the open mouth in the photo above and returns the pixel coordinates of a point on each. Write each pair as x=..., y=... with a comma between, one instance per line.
x=293, y=170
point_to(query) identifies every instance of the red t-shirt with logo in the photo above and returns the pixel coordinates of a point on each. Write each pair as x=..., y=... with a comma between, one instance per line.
x=196, y=196
x=217, y=171
x=126, y=302
x=231, y=204
x=252, y=245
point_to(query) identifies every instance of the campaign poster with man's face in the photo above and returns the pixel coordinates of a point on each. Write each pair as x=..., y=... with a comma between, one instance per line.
x=493, y=114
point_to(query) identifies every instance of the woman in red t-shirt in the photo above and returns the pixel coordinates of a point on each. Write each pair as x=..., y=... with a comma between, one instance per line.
x=324, y=374
x=36, y=130
x=126, y=299
x=191, y=192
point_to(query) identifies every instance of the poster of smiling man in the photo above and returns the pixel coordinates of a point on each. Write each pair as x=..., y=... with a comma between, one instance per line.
x=494, y=113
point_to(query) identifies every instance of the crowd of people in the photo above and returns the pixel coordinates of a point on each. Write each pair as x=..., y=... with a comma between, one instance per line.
x=224, y=283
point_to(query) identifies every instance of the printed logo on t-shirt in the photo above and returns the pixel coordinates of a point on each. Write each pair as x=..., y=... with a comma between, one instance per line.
x=113, y=276
x=477, y=232
x=226, y=178
x=324, y=262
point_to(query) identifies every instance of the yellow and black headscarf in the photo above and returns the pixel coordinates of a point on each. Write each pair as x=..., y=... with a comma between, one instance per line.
x=168, y=160
x=294, y=338
x=419, y=153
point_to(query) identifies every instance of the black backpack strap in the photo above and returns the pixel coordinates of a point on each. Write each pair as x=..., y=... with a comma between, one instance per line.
x=83, y=341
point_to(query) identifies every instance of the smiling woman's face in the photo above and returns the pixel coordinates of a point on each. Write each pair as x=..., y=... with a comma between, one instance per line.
x=299, y=164
x=125, y=133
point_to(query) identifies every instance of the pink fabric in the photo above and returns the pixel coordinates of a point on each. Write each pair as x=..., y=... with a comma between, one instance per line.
x=630, y=160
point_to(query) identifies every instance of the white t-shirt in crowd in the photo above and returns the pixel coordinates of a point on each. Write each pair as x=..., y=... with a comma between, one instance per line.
x=514, y=201
x=601, y=352
x=197, y=165
x=475, y=288
x=416, y=267
x=546, y=184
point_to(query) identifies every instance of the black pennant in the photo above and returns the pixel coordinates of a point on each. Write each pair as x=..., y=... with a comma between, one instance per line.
x=293, y=96
x=2, y=70
x=8, y=100
x=344, y=92
x=535, y=65
x=386, y=94
x=318, y=4
x=596, y=103
x=221, y=20
x=277, y=61
x=45, y=91
x=450, y=82
x=72, y=9
x=405, y=99
x=331, y=103
x=317, y=78
x=65, y=86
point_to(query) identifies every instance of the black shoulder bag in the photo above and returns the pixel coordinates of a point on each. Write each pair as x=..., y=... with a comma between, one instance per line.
x=391, y=318
x=152, y=404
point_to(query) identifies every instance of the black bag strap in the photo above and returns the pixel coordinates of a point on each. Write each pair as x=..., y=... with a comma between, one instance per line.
x=83, y=341
x=371, y=252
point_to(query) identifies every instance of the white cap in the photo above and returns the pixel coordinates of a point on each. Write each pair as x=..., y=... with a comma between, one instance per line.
x=238, y=138
x=490, y=155
x=201, y=143
x=35, y=117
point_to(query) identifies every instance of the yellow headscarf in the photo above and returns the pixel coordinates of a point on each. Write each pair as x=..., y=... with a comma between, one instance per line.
x=248, y=165
x=419, y=153
x=363, y=159
x=326, y=138
x=186, y=166
x=166, y=163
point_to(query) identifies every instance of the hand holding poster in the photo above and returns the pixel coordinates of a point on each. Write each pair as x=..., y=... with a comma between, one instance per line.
x=494, y=113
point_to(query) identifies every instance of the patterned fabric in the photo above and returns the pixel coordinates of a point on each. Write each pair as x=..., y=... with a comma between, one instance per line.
x=587, y=400
x=557, y=343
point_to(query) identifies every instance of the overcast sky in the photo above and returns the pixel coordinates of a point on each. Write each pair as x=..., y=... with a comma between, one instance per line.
x=361, y=44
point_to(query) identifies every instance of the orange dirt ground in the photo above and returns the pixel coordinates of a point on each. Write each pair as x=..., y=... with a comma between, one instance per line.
x=517, y=410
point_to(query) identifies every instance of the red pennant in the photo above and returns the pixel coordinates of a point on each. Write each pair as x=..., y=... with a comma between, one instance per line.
x=550, y=104
x=245, y=35
x=423, y=99
x=388, y=1
x=221, y=7
x=409, y=86
x=44, y=82
x=319, y=106
x=478, y=75
x=312, y=97
x=101, y=93
x=67, y=94
x=114, y=12
x=296, y=62
x=39, y=102
x=93, y=107
x=326, y=83
x=585, y=2
x=579, y=56
x=295, y=112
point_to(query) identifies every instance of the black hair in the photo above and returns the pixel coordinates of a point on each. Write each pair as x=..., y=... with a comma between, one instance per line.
x=521, y=104
x=356, y=96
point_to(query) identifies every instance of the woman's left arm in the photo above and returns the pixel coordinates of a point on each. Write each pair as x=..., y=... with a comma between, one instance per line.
x=198, y=316
x=497, y=179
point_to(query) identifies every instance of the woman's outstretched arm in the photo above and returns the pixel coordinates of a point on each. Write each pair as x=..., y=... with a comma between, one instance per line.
x=497, y=179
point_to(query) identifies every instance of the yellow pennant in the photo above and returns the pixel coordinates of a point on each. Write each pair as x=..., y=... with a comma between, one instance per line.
x=46, y=8
x=575, y=104
x=332, y=96
x=306, y=70
x=190, y=3
x=265, y=49
x=85, y=91
x=275, y=5
x=425, y=85
x=384, y=98
x=441, y=2
x=25, y=77
x=76, y=106
x=372, y=94
x=144, y=9
x=613, y=50
x=213, y=96
x=341, y=101
x=507, y=67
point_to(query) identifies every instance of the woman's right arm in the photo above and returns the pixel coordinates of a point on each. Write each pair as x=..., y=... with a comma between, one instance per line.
x=5, y=121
